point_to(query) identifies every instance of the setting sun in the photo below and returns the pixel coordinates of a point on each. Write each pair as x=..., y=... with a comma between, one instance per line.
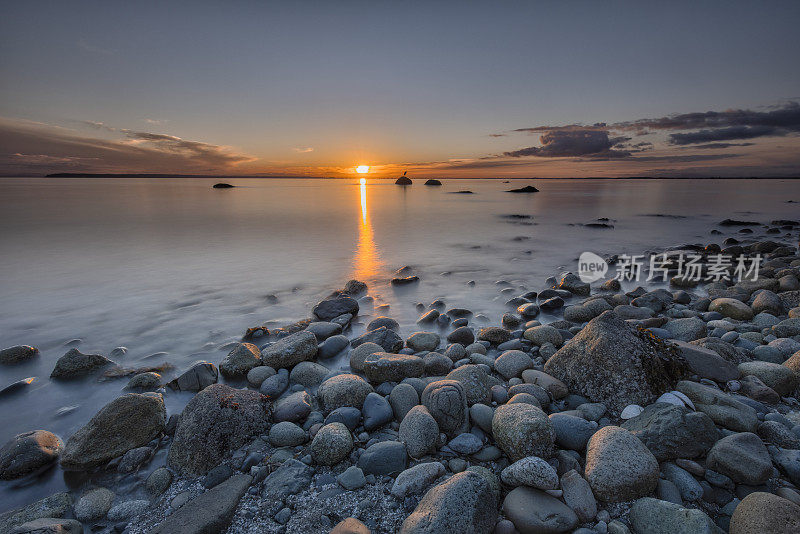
x=362, y=169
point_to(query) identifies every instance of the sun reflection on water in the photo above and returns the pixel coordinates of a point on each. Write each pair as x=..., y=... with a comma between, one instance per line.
x=366, y=261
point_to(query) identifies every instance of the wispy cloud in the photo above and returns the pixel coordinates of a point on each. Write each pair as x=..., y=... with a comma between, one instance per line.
x=303, y=149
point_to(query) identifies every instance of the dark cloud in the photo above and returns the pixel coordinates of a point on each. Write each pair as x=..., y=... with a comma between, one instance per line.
x=600, y=126
x=730, y=133
x=573, y=142
x=33, y=148
x=719, y=145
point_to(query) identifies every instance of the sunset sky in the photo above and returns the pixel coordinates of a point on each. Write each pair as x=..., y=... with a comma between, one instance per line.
x=440, y=89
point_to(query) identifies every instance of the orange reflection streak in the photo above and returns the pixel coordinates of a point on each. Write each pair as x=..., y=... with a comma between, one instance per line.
x=366, y=261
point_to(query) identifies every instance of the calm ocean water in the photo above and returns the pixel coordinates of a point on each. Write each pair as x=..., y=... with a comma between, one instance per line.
x=173, y=269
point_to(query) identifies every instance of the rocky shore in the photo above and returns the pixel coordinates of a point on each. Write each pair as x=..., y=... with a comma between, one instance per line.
x=647, y=411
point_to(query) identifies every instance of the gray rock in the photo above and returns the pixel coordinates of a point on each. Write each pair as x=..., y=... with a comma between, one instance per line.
x=610, y=362
x=145, y=381
x=535, y=512
x=322, y=330
x=332, y=346
x=573, y=284
x=388, y=339
x=555, y=387
x=511, y=363
x=384, y=458
x=351, y=525
x=331, y=444
x=465, y=444
x=672, y=432
x=767, y=301
x=28, y=452
x=360, y=353
x=308, y=374
x=54, y=506
x=477, y=384
x=742, y=457
x=94, y=504
x=294, y=407
x=687, y=329
x=199, y=376
x=216, y=421
x=273, y=386
x=578, y=495
x=707, y=363
x=352, y=478
x=728, y=307
x=287, y=434
x=530, y=471
x=17, y=354
x=290, y=478
x=76, y=364
x=380, y=321
x=419, y=431
x=765, y=513
x=618, y=466
x=494, y=335
x=128, y=509
x=466, y=502
x=333, y=307
x=343, y=390
x=689, y=488
x=462, y=335
x=446, y=401
x=437, y=364
x=775, y=376
x=289, y=351
x=662, y=517
x=539, y=335
x=257, y=375
x=133, y=459
x=386, y=367
x=522, y=430
x=402, y=398
x=125, y=423
x=481, y=416
x=417, y=479
x=572, y=432
x=423, y=341
x=210, y=512
x=49, y=525
x=722, y=408
x=240, y=360
x=377, y=412
x=158, y=481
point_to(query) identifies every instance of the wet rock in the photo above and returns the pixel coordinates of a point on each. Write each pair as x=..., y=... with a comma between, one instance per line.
x=290, y=478
x=573, y=284
x=28, y=452
x=384, y=458
x=145, y=381
x=216, y=421
x=75, y=364
x=54, y=506
x=343, y=390
x=494, y=335
x=125, y=423
x=273, y=386
x=199, y=376
x=322, y=330
x=240, y=360
x=158, y=481
x=539, y=335
x=309, y=374
x=17, y=354
x=386, y=367
x=127, y=510
x=462, y=335
x=388, y=339
x=672, y=432
x=331, y=444
x=707, y=363
x=437, y=364
x=94, y=504
x=722, y=408
x=286, y=434
x=610, y=362
x=360, y=353
x=377, y=412
x=742, y=457
x=335, y=306
x=555, y=387
x=522, y=430
x=352, y=478
x=289, y=351
x=423, y=341
x=212, y=511
x=572, y=432
x=535, y=512
x=402, y=398
x=133, y=459
x=687, y=329
x=618, y=466
x=464, y=503
x=294, y=408
x=765, y=513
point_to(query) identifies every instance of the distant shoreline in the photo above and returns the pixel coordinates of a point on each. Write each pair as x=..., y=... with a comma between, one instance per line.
x=212, y=176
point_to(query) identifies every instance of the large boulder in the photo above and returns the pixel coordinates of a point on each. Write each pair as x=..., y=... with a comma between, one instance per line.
x=466, y=502
x=611, y=362
x=618, y=466
x=765, y=513
x=54, y=506
x=216, y=421
x=123, y=424
x=522, y=430
x=75, y=364
x=28, y=452
x=672, y=432
x=722, y=408
x=289, y=351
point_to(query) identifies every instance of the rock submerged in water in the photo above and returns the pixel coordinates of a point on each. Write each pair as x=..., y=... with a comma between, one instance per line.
x=403, y=180
x=75, y=364
x=17, y=354
x=433, y=181
x=217, y=421
x=289, y=351
x=199, y=376
x=123, y=424
x=526, y=189
x=222, y=185
x=28, y=452
x=609, y=361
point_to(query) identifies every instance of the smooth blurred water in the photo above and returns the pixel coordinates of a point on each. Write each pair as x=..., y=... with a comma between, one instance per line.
x=173, y=266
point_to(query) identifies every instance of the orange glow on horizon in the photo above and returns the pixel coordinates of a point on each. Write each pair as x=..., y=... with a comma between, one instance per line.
x=362, y=169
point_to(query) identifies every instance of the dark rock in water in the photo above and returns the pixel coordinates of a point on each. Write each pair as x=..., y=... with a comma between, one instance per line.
x=240, y=360
x=463, y=192
x=28, y=452
x=611, y=362
x=433, y=182
x=598, y=225
x=526, y=189
x=289, y=351
x=403, y=180
x=123, y=424
x=54, y=506
x=354, y=287
x=217, y=421
x=388, y=339
x=405, y=281
x=333, y=307
x=17, y=354
x=17, y=386
x=734, y=222
x=222, y=185
x=198, y=376
x=75, y=363
x=212, y=511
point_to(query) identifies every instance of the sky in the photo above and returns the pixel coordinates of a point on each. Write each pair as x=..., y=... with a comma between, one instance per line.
x=438, y=89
